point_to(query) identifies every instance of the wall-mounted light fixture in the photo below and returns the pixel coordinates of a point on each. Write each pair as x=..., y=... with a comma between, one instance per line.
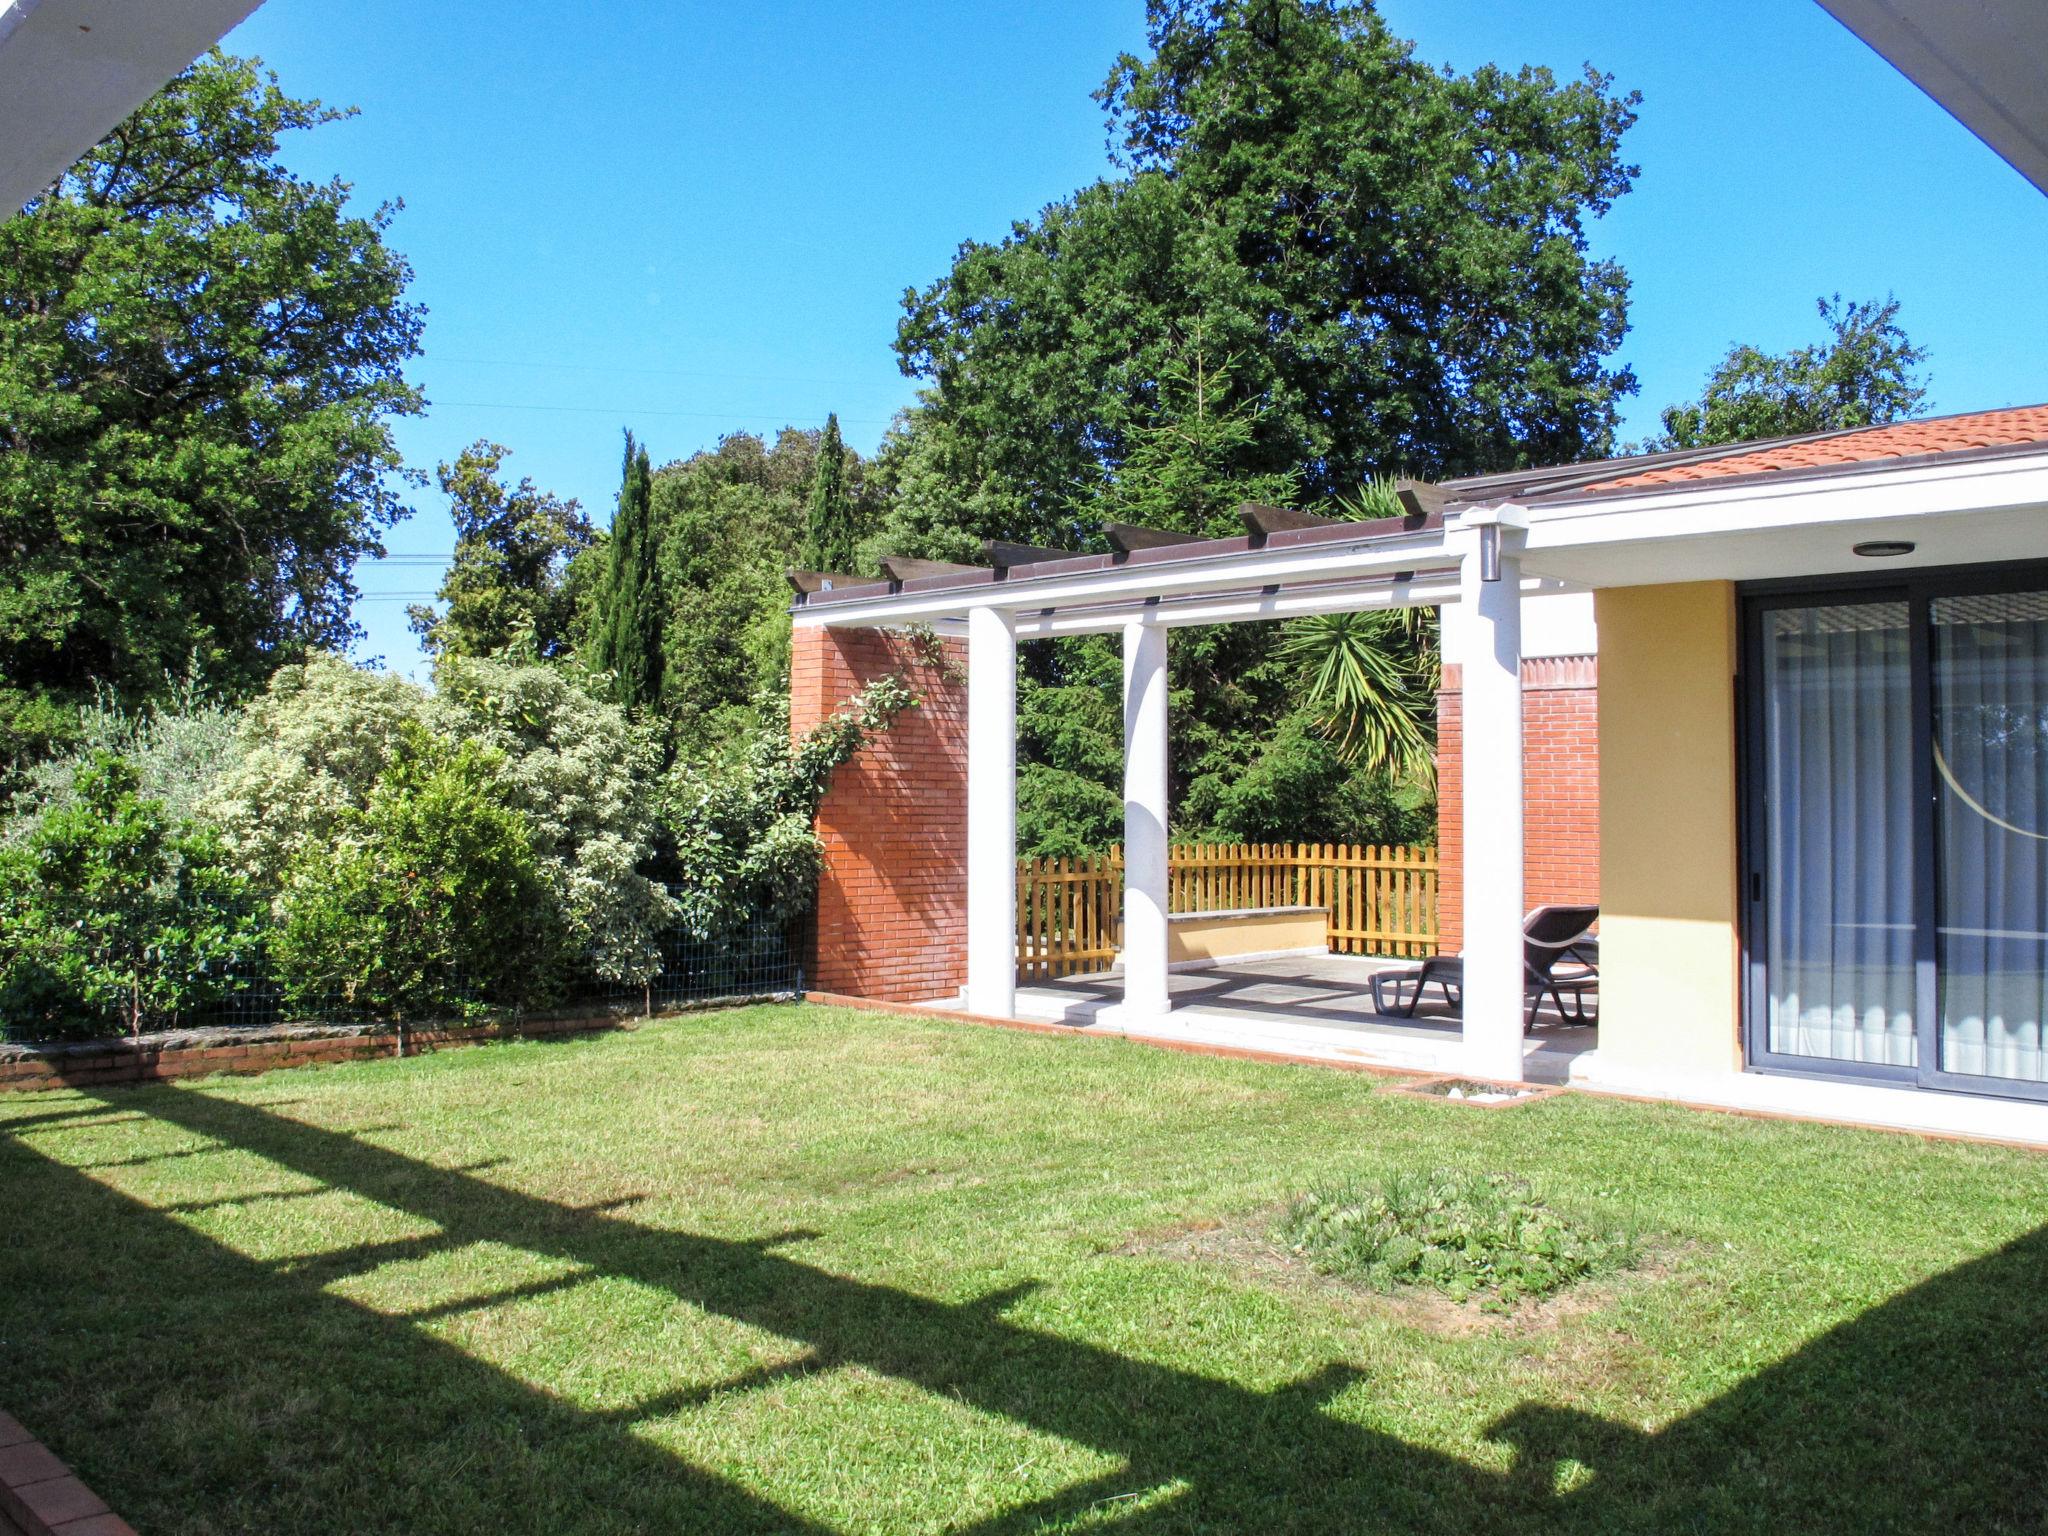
x=1883, y=549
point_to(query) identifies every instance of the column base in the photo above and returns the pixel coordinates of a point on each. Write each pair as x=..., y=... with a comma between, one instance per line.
x=1130, y=1016
x=1495, y=1060
x=990, y=1004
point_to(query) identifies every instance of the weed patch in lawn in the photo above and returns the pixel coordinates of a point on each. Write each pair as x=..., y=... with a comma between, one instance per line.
x=1488, y=1235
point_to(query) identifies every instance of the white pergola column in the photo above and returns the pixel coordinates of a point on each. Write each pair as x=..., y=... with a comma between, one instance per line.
x=1145, y=829
x=1492, y=768
x=991, y=812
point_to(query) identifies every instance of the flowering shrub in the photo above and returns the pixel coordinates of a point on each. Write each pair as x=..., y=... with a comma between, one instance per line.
x=313, y=747
x=372, y=847
x=583, y=777
x=1465, y=1234
x=317, y=745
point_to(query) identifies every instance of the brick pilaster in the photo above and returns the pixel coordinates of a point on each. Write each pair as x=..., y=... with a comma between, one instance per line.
x=1561, y=789
x=892, y=898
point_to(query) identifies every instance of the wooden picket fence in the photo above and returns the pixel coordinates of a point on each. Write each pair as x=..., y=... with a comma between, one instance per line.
x=1381, y=900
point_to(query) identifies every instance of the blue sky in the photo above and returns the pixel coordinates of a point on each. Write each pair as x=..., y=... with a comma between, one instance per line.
x=697, y=219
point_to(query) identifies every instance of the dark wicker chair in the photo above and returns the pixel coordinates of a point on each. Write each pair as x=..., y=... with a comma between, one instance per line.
x=1560, y=959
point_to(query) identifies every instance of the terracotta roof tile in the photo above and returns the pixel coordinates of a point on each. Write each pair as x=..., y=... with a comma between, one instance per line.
x=1905, y=439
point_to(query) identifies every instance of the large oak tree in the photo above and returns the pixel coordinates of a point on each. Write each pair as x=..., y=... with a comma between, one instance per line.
x=201, y=355
x=1318, y=260
x=1390, y=258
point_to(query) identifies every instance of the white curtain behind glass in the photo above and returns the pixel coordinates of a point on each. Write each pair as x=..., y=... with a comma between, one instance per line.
x=1991, y=729
x=1838, y=763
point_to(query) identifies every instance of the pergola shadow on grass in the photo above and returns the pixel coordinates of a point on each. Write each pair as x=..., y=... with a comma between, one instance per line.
x=1923, y=1413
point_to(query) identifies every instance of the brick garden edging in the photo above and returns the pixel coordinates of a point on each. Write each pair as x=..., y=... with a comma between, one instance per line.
x=202, y=1052
x=40, y=1494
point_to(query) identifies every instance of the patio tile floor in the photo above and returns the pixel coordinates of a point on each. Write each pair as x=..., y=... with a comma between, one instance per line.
x=1313, y=1005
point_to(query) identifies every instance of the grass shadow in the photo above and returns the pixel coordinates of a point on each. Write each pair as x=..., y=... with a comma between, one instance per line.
x=1922, y=1414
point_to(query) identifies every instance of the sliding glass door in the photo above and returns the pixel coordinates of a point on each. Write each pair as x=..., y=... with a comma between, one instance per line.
x=1897, y=833
x=1838, y=847
x=1990, y=749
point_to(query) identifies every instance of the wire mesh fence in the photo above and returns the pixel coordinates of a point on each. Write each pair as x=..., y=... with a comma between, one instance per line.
x=762, y=960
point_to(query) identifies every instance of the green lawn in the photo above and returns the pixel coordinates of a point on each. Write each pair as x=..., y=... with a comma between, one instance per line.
x=791, y=1268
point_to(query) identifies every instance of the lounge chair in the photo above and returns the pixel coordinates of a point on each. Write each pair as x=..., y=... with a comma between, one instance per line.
x=1560, y=959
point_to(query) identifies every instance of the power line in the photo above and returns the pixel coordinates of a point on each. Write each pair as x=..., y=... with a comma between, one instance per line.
x=667, y=373
x=635, y=410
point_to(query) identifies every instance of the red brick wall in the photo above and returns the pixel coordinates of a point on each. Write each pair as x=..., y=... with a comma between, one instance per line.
x=1561, y=792
x=892, y=901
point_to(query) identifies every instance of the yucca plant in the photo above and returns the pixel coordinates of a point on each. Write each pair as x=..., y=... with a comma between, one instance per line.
x=1371, y=678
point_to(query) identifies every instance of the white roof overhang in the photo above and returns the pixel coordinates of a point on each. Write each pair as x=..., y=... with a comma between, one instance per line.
x=1981, y=59
x=1373, y=570
x=1954, y=510
x=70, y=70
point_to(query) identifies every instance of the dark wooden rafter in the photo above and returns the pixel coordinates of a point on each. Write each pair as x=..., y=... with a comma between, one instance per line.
x=1419, y=499
x=1261, y=521
x=900, y=568
x=1126, y=538
x=1007, y=556
x=807, y=582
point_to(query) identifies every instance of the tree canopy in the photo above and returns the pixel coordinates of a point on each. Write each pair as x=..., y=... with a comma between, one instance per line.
x=717, y=531
x=1865, y=374
x=201, y=355
x=507, y=586
x=1316, y=262
x=1391, y=257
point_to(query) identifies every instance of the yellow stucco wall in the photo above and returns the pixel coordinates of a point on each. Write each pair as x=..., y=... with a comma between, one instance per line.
x=1668, y=865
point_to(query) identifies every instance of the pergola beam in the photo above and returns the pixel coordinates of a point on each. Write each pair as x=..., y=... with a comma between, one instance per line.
x=901, y=568
x=1420, y=499
x=1370, y=555
x=807, y=582
x=1129, y=538
x=1005, y=555
x=1262, y=521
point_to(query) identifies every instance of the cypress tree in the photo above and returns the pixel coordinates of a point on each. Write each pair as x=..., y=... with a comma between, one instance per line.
x=629, y=623
x=831, y=536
